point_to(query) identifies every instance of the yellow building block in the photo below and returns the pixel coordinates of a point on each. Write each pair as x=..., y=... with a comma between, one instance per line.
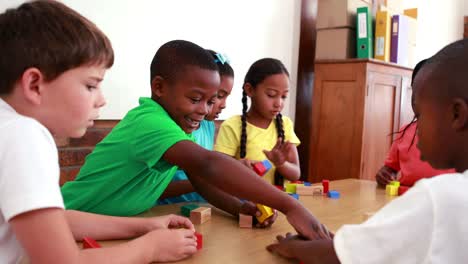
x=266, y=212
x=391, y=190
x=290, y=187
x=395, y=183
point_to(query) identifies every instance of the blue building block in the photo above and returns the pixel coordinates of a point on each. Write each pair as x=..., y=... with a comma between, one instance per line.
x=294, y=195
x=334, y=194
x=307, y=184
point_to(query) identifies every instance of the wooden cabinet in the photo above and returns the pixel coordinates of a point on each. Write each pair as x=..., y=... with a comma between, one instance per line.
x=357, y=104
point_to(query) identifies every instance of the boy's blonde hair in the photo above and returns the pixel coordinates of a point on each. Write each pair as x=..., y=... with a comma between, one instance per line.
x=50, y=36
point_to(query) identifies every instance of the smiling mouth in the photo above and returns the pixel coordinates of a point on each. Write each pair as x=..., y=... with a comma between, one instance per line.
x=192, y=123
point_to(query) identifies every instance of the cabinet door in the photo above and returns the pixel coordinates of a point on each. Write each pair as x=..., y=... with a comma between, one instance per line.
x=382, y=119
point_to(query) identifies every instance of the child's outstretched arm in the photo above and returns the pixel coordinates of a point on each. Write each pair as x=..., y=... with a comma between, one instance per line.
x=103, y=227
x=306, y=251
x=232, y=177
x=46, y=237
x=286, y=159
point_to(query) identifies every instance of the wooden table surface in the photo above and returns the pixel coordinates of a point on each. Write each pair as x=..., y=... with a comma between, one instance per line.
x=224, y=241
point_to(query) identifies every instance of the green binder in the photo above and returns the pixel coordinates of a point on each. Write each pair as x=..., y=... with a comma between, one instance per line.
x=364, y=33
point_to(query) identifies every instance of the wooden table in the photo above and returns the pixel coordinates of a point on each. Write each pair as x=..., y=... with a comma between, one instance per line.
x=224, y=241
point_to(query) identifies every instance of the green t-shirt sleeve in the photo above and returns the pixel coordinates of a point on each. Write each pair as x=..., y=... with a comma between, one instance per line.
x=154, y=136
x=289, y=131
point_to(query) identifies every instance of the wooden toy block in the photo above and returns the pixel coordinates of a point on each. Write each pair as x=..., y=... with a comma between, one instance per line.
x=402, y=189
x=326, y=185
x=90, y=243
x=333, y=194
x=391, y=190
x=395, y=183
x=200, y=215
x=185, y=210
x=317, y=190
x=367, y=215
x=199, y=240
x=266, y=212
x=309, y=190
x=291, y=187
x=262, y=167
x=245, y=221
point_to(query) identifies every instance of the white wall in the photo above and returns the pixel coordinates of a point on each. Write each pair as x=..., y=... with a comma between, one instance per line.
x=246, y=30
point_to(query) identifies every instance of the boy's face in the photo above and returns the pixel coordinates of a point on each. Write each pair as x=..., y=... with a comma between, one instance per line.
x=227, y=82
x=71, y=102
x=190, y=98
x=269, y=95
x=433, y=115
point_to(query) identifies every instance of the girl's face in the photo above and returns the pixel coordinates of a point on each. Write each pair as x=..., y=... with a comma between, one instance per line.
x=227, y=82
x=269, y=96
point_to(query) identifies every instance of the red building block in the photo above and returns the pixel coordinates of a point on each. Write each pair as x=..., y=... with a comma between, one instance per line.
x=279, y=187
x=262, y=167
x=199, y=240
x=90, y=243
x=402, y=189
x=325, y=184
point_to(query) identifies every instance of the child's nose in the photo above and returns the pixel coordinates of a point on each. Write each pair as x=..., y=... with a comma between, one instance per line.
x=203, y=109
x=101, y=100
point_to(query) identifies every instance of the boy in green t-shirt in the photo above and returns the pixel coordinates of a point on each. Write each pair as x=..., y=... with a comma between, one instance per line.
x=132, y=166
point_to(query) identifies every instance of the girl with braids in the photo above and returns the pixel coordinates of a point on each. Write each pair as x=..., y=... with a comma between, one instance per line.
x=261, y=132
x=180, y=189
x=404, y=156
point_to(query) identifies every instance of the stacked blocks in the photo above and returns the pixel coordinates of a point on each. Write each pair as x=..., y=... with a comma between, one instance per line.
x=185, y=210
x=325, y=184
x=392, y=188
x=90, y=243
x=245, y=221
x=262, y=167
x=200, y=215
x=266, y=212
x=334, y=194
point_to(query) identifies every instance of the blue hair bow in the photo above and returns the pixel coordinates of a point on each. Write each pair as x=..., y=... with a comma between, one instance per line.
x=221, y=58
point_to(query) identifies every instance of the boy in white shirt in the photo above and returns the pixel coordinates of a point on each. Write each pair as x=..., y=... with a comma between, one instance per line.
x=427, y=224
x=52, y=61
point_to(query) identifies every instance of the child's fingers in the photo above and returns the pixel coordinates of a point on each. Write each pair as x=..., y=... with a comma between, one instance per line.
x=187, y=233
x=179, y=221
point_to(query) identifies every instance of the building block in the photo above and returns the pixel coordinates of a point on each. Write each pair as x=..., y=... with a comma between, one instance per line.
x=402, y=189
x=309, y=190
x=266, y=212
x=279, y=187
x=200, y=215
x=298, y=182
x=307, y=184
x=391, y=190
x=245, y=221
x=262, y=167
x=185, y=210
x=333, y=194
x=290, y=187
x=395, y=183
x=90, y=243
x=326, y=185
x=367, y=215
x=294, y=195
x=199, y=240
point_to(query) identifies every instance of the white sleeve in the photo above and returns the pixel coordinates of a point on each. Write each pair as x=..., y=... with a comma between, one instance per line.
x=29, y=170
x=401, y=232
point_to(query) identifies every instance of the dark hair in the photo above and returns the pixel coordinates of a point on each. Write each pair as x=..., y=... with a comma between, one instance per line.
x=171, y=59
x=224, y=69
x=256, y=74
x=51, y=37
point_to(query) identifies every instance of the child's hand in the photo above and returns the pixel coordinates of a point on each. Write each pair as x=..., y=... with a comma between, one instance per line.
x=249, y=208
x=307, y=225
x=285, y=245
x=280, y=152
x=172, y=244
x=171, y=221
x=385, y=175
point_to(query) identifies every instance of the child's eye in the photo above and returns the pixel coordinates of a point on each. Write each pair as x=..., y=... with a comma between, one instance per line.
x=195, y=100
x=211, y=102
x=271, y=95
x=284, y=96
x=91, y=87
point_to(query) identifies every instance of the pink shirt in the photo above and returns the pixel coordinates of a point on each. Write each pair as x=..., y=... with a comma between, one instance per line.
x=407, y=160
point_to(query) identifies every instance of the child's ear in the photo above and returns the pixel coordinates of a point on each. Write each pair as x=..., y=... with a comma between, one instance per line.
x=32, y=87
x=158, y=86
x=248, y=88
x=459, y=114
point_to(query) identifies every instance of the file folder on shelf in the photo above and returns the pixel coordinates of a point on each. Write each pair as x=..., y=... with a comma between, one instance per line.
x=364, y=33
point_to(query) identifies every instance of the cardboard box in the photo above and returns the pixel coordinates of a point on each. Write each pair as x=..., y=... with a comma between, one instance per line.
x=336, y=43
x=339, y=13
